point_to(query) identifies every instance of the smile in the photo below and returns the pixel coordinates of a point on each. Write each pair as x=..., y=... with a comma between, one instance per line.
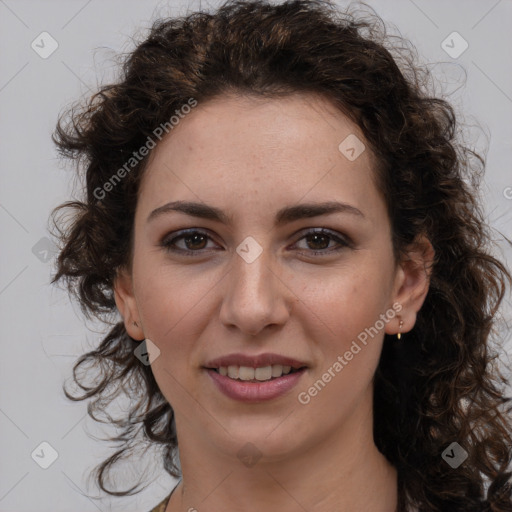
x=261, y=374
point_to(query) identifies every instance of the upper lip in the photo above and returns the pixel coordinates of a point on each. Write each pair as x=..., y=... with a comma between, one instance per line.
x=258, y=361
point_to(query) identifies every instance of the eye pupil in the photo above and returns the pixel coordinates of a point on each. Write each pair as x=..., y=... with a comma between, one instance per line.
x=317, y=236
x=196, y=242
x=194, y=237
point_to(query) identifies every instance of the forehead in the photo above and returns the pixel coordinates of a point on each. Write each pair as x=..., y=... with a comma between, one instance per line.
x=251, y=125
x=236, y=148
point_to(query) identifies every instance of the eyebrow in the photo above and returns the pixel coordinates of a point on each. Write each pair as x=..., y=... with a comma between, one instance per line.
x=285, y=215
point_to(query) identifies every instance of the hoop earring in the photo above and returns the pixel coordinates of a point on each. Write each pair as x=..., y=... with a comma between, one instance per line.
x=399, y=335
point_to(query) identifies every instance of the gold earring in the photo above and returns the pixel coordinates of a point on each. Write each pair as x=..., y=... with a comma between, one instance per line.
x=399, y=335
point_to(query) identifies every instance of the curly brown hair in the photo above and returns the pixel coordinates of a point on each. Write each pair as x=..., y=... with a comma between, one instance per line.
x=442, y=384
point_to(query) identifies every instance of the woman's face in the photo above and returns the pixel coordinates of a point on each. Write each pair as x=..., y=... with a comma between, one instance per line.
x=252, y=283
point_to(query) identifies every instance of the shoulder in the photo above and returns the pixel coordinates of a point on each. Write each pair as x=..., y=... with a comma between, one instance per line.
x=162, y=505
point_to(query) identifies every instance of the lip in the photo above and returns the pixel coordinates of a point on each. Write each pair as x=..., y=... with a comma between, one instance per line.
x=267, y=359
x=247, y=391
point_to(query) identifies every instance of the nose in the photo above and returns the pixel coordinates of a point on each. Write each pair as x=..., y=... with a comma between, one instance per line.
x=255, y=295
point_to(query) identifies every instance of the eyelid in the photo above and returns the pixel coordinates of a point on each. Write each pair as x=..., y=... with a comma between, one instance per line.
x=171, y=238
x=342, y=240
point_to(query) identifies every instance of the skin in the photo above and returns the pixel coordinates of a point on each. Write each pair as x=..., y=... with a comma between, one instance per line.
x=250, y=157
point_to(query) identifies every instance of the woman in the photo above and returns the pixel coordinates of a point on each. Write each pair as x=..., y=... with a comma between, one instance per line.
x=289, y=230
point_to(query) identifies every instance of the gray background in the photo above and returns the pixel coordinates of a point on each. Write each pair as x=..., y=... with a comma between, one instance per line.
x=42, y=332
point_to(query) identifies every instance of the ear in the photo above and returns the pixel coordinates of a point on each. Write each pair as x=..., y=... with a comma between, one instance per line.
x=412, y=283
x=126, y=304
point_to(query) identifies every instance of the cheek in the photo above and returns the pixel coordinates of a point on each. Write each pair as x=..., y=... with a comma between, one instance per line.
x=349, y=302
x=170, y=297
x=174, y=302
x=176, y=306
x=172, y=309
x=348, y=344
x=349, y=341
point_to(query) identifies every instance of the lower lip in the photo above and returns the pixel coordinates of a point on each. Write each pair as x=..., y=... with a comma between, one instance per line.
x=255, y=391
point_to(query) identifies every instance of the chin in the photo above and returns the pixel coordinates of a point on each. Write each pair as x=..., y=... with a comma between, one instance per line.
x=273, y=440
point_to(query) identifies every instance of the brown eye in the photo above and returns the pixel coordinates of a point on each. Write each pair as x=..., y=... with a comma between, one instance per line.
x=318, y=242
x=194, y=241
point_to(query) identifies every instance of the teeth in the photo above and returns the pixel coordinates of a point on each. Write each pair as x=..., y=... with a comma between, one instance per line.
x=264, y=373
x=233, y=372
x=277, y=370
x=247, y=373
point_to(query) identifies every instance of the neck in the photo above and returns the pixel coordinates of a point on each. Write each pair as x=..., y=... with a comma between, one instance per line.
x=334, y=473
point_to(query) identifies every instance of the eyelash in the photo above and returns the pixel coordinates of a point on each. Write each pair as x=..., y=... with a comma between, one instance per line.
x=168, y=244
